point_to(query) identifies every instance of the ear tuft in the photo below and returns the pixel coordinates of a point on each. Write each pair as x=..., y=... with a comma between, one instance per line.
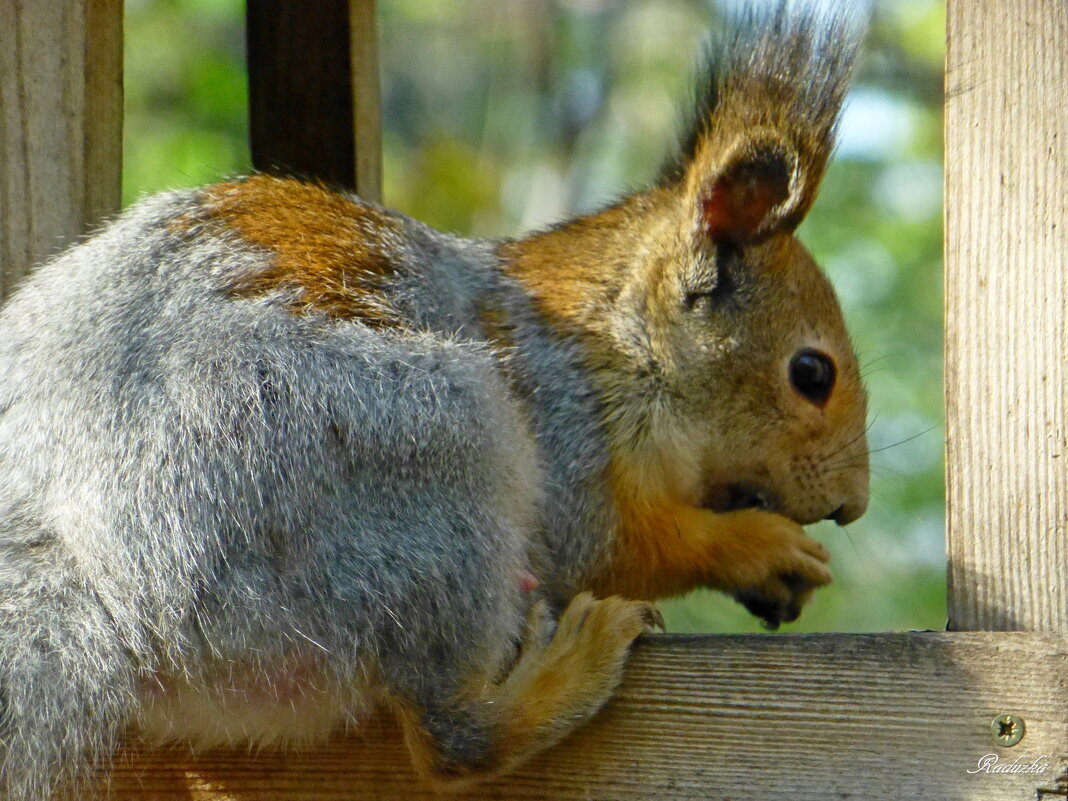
x=764, y=124
x=751, y=197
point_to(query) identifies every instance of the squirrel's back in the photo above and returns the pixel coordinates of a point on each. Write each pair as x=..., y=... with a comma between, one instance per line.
x=242, y=479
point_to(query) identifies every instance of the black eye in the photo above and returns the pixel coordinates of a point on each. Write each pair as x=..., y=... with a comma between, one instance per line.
x=812, y=373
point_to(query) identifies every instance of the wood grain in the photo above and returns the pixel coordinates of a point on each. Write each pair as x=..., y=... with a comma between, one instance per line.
x=313, y=91
x=1006, y=318
x=60, y=125
x=805, y=717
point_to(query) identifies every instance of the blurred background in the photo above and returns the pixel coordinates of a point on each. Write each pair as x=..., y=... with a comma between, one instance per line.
x=504, y=115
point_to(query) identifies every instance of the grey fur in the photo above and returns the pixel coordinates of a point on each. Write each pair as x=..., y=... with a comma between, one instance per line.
x=189, y=483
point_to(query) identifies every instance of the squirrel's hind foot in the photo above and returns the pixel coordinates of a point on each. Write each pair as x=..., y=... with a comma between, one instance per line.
x=558, y=682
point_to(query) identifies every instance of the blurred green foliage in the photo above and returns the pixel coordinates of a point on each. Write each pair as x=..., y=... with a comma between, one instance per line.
x=503, y=115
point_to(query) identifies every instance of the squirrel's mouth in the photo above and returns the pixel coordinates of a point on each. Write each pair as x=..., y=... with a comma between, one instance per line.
x=735, y=495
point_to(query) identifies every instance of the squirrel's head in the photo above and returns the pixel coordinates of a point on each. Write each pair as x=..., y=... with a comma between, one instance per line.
x=751, y=394
x=751, y=341
x=718, y=346
x=746, y=329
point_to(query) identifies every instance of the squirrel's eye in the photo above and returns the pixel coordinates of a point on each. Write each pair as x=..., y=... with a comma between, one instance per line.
x=812, y=373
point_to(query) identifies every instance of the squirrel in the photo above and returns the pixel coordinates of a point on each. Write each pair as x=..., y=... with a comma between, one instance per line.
x=272, y=455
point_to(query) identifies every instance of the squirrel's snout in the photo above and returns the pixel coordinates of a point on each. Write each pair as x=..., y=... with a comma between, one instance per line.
x=848, y=512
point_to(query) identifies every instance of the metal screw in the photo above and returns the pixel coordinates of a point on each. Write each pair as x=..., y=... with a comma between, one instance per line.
x=1007, y=729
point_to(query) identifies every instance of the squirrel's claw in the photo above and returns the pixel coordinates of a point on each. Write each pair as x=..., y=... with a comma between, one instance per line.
x=655, y=620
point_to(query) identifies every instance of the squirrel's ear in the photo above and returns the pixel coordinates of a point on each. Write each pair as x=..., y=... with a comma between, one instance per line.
x=756, y=191
x=763, y=127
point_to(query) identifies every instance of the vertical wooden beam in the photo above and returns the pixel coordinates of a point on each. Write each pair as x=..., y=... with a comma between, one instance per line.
x=366, y=97
x=1007, y=314
x=313, y=91
x=60, y=125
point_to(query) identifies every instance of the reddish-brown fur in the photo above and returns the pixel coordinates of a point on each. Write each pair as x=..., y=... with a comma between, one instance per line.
x=574, y=273
x=582, y=278
x=332, y=251
x=666, y=546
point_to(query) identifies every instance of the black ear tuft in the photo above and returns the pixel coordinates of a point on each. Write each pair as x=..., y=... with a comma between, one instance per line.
x=767, y=110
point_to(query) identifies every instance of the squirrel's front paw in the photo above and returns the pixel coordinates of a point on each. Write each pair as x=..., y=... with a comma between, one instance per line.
x=768, y=563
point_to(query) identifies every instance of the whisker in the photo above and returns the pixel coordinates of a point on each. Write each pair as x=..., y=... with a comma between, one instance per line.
x=866, y=373
x=907, y=439
x=877, y=471
x=879, y=358
x=839, y=466
x=858, y=462
x=852, y=542
x=838, y=450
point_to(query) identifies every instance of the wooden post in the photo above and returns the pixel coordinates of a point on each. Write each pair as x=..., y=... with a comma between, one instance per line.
x=367, y=115
x=1007, y=315
x=60, y=125
x=313, y=91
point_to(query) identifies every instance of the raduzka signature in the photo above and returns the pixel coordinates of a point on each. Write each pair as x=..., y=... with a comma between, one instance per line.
x=991, y=763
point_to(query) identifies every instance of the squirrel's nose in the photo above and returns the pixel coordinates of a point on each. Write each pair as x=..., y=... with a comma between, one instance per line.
x=848, y=512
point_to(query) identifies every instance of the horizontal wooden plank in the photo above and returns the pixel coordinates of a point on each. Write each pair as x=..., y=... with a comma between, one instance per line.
x=805, y=717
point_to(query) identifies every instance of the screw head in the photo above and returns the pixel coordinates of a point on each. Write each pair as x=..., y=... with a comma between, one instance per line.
x=1007, y=730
